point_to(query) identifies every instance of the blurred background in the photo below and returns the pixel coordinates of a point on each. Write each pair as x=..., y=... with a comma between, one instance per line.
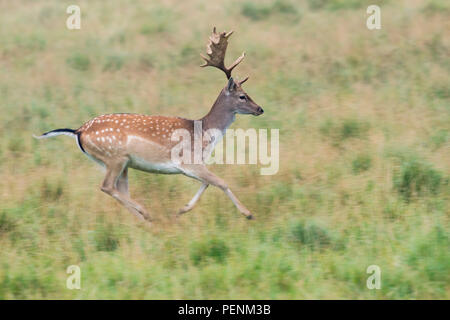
x=364, y=119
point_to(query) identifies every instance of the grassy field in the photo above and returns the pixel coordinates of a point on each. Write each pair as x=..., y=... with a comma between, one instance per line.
x=364, y=119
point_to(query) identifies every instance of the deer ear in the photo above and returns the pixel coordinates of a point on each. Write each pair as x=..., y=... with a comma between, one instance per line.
x=231, y=85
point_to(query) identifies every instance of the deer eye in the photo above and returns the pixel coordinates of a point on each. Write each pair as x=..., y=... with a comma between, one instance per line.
x=243, y=97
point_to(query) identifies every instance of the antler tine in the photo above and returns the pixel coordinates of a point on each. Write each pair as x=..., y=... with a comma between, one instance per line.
x=216, y=49
x=238, y=60
x=243, y=80
x=228, y=34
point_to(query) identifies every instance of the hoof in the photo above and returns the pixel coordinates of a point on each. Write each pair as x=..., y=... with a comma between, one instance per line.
x=177, y=215
x=183, y=210
x=147, y=218
x=148, y=222
x=250, y=217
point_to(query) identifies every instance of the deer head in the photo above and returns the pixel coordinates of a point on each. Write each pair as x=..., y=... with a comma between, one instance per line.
x=233, y=98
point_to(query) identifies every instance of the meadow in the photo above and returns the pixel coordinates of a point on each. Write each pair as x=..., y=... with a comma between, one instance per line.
x=364, y=119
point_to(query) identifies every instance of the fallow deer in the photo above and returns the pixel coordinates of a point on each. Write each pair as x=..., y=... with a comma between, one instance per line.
x=121, y=141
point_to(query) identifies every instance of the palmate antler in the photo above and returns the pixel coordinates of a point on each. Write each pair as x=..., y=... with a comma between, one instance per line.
x=216, y=49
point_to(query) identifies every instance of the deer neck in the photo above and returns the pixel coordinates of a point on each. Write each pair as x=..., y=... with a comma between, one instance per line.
x=219, y=117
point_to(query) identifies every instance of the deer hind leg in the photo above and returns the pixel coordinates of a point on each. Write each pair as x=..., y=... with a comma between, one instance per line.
x=122, y=182
x=207, y=177
x=114, y=172
x=194, y=200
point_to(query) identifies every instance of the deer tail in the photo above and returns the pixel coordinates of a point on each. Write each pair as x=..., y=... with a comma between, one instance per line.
x=65, y=131
x=57, y=132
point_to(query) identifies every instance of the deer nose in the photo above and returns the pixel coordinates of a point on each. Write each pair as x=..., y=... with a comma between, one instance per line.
x=260, y=110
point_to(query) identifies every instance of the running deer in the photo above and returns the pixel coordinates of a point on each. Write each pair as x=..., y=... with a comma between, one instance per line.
x=122, y=140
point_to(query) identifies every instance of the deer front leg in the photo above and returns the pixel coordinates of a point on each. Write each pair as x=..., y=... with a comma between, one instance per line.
x=201, y=173
x=110, y=184
x=194, y=200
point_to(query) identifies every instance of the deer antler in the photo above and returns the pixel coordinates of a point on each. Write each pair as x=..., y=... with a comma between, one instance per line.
x=216, y=49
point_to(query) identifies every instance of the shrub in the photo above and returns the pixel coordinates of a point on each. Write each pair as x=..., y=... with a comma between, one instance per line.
x=441, y=92
x=23, y=283
x=284, y=7
x=147, y=61
x=79, y=61
x=439, y=139
x=16, y=144
x=7, y=224
x=418, y=178
x=106, y=239
x=351, y=128
x=317, y=4
x=361, y=163
x=160, y=21
x=188, y=54
x=114, y=63
x=215, y=249
x=333, y=5
x=52, y=191
x=35, y=42
x=326, y=127
x=347, y=129
x=430, y=255
x=311, y=235
x=437, y=6
x=40, y=110
x=256, y=11
x=344, y=4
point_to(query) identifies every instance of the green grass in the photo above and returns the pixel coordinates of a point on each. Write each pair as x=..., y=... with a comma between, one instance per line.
x=364, y=152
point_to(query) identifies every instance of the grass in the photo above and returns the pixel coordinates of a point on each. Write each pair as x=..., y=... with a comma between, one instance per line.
x=364, y=151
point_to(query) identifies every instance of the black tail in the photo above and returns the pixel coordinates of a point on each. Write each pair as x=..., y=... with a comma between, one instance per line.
x=56, y=132
x=67, y=132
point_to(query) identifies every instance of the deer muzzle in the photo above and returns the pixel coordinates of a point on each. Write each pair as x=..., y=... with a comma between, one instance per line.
x=259, y=111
